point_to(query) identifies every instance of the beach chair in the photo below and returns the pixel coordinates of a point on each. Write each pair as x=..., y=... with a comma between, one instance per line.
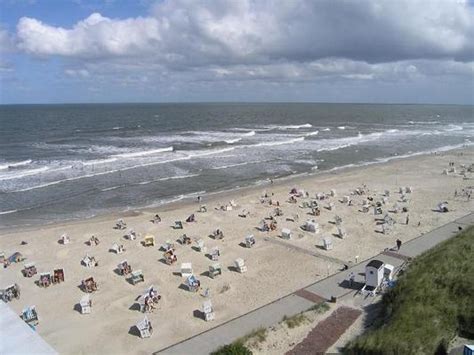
x=232, y=203
x=286, y=233
x=89, y=261
x=124, y=268
x=331, y=206
x=208, y=311
x=117, y=249
x=168, y=245
x=332, y=193
x=218, y=234
x=443, y=207
x=240, y=265
x=186, y=269
x=131, y=235
x=93, y=241
x=184, y=240
x=16, y=257
x=202, y=209
x=144, y=328
x=249, y=241
x=311, y=226
x=337, y=220
x=120, y=224
x=58, y=276
x=178, y=225
x=408, y=189
x=45, y=279
x=377, y=210
x=244, y=213
x=85, y=304
x=170, y=257
x=345, y=199
x=215, y=270
x=327, y=243
x=89, y=285
x=136, y=277
x=200, y=246
x=10, y=292
x=149, y=241
x=341, y=232
x=156, y=219
x=64, y=239
x=320, y=196
x=263, y=226
x=215, y=253
x=30, y=315
x=191, y=219
x=193, y=283
x=29, y=270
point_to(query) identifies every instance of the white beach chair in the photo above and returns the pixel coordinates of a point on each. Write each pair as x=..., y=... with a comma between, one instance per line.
x=208, y=311
x=201, y=246
x=240, y=265
x=144, y=328
x=64, y=239
x=215, y=253
x=311, y=226
x=249, y=241
x=215, y=270
x=186, y=269
x=286, y=233
x=341, y=232
x=85, y=304
x=327, y=243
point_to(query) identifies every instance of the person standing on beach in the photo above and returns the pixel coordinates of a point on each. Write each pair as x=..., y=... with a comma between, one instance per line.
x=407, y=220
x=199, y=199
x=399, y=244
x=351, y=279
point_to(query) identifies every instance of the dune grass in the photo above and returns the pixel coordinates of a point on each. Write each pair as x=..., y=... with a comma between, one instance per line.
x=431, y=303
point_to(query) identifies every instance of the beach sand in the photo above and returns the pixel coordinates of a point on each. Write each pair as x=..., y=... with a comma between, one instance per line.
x=274, y=269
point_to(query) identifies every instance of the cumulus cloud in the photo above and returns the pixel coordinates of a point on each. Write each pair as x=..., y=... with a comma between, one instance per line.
x=265, y=40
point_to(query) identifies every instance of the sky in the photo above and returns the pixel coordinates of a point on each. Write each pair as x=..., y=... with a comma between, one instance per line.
x=376, y=51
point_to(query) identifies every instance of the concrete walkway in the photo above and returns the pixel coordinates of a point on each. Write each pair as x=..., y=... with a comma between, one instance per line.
x=332, y=286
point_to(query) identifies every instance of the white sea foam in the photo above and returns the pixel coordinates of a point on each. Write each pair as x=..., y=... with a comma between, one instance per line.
x=341, y=127
x=8, y=212
x=232, y=141
x=98, y=161
x=271, y=144
x=326, y=129
x=144, y=153
x=249, y=134
x=24, y=173
x=15, y=165
x=315, y=133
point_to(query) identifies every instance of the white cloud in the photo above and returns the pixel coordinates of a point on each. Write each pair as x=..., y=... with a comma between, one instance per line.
x=266, y=40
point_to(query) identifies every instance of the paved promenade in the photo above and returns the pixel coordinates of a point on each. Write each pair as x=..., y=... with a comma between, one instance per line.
x=332, y=286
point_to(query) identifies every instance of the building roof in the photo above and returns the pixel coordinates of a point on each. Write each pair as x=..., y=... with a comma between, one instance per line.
x=17, y=336
x=376, y=264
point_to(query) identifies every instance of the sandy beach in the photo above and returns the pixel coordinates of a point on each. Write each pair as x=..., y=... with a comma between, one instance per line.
x=276, y=267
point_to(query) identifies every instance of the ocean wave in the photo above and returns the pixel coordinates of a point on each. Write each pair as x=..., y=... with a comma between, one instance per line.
x=232, y=165
x=326, y=129
x=24, y=173
x=315, y=133
x=15, y=165
x=287, y=127
x=249, y=134
x=144, y=153
x=271, y=144
x=341, y=127
x=232, y=141
x=8, y=212
x=98, y=161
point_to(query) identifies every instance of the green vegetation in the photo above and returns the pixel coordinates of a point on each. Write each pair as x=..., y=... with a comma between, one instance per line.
x=239, y=347
x=431, y=303
x=295, y=320
x=253, y=338
x=320, y=308
x=232, y=349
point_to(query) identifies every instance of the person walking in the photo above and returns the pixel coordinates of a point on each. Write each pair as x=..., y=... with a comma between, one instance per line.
x=351, y=279
x=407, y=219
x=399, y=244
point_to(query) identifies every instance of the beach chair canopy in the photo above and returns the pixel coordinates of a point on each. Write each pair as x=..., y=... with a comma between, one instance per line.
x=207, y=306
x=186, y=269
x=239, y=262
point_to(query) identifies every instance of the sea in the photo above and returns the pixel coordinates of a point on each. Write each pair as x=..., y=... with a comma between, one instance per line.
x=65, y=162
